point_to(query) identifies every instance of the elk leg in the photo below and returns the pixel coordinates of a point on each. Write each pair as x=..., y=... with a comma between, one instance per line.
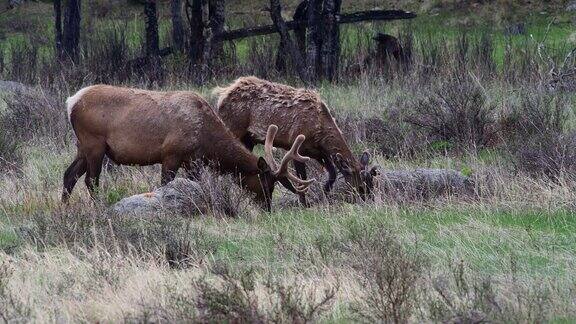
x=76, y=169
x=301, y=172
x=169, y=169
x=331, y=175
x=92, y=179
x=288, y=185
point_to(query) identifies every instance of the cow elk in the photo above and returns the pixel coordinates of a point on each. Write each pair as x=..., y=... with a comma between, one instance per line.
x=140, y=127
x=249, y=104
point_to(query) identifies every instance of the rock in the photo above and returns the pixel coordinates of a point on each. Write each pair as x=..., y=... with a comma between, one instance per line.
x=571, y=6
x=397, y=185
x=212, y=194
x=172, y=197
x=424, y=183
x=13, y=87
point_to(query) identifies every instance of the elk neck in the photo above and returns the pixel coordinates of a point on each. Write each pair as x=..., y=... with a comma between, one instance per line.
x=230, y=154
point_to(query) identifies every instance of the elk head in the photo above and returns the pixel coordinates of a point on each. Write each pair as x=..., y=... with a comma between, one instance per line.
x=269, y=171
x=360, y=176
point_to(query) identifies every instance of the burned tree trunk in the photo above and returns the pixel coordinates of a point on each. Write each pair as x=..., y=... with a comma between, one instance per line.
x=331, y=42
x=296, y=57
x=205, y=18
x=206, y=49
x=71, y=35
x=312, y=38
x=58, y=27
x=300, y=15
x=299, y=33
x=217, y=15
x=177, y=25
x=152, y=39
x=196, y=25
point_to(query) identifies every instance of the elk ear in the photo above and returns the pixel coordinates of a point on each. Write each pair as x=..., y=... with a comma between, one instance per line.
x=263, y=165
x=365, y=159
x=342, y=164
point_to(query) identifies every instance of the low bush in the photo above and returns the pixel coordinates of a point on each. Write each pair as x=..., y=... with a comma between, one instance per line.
x=460, y=298
x=12, y=309
x=537, y=134
x=389, y=276
x=34, y=113
x=216, y=195
x=236, y=300
x=456, y=111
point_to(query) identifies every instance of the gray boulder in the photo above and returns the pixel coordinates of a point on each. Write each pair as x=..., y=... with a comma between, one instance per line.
x=212, y=194
x=424, y=183
x=12, y=86
x=398, y=185
x=171, y=197
x=571, y=6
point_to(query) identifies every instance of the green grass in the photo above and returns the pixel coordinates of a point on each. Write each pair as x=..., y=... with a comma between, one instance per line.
x=541, y=243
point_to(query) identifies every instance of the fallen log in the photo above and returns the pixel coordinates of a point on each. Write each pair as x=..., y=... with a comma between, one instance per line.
x=370, y=15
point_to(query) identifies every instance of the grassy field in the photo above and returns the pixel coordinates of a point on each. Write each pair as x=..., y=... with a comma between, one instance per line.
x=504, y=117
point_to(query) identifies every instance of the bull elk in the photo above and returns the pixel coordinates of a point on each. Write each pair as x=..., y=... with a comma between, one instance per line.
x=140, y=127
x=249, y=104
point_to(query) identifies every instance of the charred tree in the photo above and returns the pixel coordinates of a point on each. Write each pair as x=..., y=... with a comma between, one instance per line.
x=58, y=27
x=207, y=46
x=299, y=33
x=295, y=55
x=177, y=24
x=196, y=27
x=217, y=19
x=330, y=52
x=313, y=38
x=301, y=15
x=71, y=33
x=152, y=39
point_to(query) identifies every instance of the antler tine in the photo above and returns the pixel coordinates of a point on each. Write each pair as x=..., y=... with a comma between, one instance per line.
x=299, y=184
x=268, y=145
x=292, y=155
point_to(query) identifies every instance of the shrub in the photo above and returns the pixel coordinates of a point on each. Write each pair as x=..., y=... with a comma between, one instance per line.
x=456, y=299
x=459, y=298
x=110, y=46
x=236, y=300
x=216, y=195
x=389, y=276
x=536, y=129
x=33, y=113
x=12, y=309
x=20, y=52
x=551, y=155
x=456, y=111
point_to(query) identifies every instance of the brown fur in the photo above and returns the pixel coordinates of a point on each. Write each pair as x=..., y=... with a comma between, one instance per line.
x=140, y=127
x=249, y=104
